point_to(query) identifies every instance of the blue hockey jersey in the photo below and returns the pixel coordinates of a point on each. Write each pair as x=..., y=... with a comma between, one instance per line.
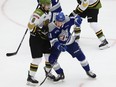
x=56, y=7
x=62, y=34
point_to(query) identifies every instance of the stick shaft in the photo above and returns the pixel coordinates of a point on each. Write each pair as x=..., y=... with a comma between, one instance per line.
x=14, y=53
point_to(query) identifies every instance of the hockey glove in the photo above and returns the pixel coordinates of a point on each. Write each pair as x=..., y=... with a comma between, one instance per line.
x=60, y=46
x=78, y=21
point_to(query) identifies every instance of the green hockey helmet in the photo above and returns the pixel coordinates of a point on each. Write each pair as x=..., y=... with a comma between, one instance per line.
x=45, y=1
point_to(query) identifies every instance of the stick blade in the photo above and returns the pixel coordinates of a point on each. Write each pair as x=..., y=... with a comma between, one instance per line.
x=11, y=54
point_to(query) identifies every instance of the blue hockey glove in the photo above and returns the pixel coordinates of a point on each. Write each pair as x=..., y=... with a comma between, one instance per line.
x=60, y=46
x=78, y=21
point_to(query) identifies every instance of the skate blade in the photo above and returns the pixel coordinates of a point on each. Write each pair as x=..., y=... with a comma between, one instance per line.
x=60, y=81
x=104, y=47
x=49, y=79
x=90, y=77
x=31, y=84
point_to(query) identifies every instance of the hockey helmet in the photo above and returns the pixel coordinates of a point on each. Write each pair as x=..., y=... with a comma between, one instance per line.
x=60, y=17
x=44, y=1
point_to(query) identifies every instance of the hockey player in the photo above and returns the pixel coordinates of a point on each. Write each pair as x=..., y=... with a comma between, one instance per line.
x=54, y=9
x=62, y=40
x=39, y=42
x=90, y=9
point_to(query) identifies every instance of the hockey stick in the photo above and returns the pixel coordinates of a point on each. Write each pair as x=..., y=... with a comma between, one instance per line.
x=45, y=77
x=14, y=53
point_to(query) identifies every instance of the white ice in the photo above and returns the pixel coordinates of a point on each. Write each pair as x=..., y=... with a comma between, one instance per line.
x=14, y=16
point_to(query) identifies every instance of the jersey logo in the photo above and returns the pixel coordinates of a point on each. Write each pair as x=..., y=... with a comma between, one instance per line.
x=89, y=17
x=76, y=51
x=85, y=4
x=66, y=26
x=63, y=35
x=56, y=31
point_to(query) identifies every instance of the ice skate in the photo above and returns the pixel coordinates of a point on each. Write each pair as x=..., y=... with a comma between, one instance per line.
x=49, y=74
x=104, y=45
x=77, y=38
x=91, y=74
x=59, y=77
x=31, y=81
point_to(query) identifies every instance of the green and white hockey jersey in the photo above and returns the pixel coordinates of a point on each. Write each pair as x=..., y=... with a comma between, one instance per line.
x=38, y=23
x=88, y=4
x=38, y=19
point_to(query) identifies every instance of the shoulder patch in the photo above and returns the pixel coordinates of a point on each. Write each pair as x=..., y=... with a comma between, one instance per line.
x=39, y=12
x=85, y=4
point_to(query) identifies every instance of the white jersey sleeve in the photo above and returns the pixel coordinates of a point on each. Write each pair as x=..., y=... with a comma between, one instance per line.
x=37, y=20
x=34, y=21
x=83, y=6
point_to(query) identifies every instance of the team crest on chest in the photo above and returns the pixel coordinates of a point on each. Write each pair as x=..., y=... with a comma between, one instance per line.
x=63, y=36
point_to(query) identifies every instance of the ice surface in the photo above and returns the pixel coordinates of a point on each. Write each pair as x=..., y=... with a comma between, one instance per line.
x=14, y=16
